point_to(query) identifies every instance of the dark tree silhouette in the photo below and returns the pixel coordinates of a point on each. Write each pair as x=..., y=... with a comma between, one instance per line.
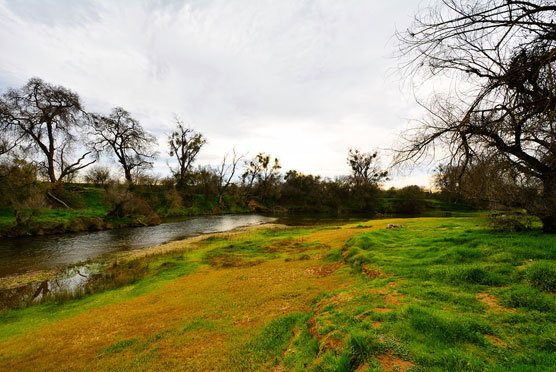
x=126, y=139
x=48, y=118
x=500, y=55
x=364, y=167
x=185, y=145
x=261, y=171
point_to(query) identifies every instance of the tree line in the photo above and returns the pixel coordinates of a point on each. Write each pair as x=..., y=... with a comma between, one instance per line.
x=46, y=134
x=494, y=126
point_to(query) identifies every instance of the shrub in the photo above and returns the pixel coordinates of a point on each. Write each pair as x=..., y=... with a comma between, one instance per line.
x=542, y=275
x=411, y=200
x=125, y=204
x=511, y=223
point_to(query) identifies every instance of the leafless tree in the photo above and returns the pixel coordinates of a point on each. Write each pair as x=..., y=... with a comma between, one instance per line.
x=365, y=168
x=185, y=145
x=226, y=173
x=124, y=136
x=503, y=54
x=49, y=118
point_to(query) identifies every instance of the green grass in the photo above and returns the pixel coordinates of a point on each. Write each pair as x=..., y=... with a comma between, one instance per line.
x=439, y=294
x=442, y=267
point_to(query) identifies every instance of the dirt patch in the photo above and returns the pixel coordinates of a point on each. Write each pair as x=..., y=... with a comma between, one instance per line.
x=388, y=362
x=496, y=340
x=377, y=324
x=335, y=238
x=393, y=299
x=370, y=272
x=363, y=367
x=313, y=330
x=322, y=270
x=380, y=291
x=390, y=297
x=492, y=302
x=332, y=342
x=338, y=298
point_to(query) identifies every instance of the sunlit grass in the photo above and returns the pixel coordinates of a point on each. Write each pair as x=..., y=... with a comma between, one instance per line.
x=439, y=294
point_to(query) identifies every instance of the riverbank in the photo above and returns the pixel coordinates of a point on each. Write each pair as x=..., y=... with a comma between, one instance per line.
x=436, y=294
x=35, y=277
x=50, y=222
x=91, y=211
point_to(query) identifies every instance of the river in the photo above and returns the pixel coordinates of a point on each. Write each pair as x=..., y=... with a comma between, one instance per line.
x=24, y=254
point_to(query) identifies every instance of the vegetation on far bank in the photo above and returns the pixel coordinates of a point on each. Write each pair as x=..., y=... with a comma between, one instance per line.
x=437, y=294
x=94, y=207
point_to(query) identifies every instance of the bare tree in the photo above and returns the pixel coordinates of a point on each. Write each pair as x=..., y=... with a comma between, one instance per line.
x=49, y=118
x=504, y=53
x=365, y=168
x=185, y=145
x=126, y=139
x=226, y=173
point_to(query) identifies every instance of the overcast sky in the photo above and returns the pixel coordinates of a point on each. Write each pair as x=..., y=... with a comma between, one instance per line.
x=301, y=80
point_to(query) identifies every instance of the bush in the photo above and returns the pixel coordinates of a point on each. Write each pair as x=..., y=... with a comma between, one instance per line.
x=411, y=200
x=511, y=223
x=542, y=275
x=125, y=204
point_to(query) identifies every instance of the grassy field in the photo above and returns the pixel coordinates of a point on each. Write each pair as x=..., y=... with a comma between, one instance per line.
x=439, y=294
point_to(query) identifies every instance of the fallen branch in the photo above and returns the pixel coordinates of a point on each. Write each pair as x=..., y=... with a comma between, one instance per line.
x=58, y=200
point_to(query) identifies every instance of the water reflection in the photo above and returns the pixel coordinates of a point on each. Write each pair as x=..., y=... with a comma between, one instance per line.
x=19, y=255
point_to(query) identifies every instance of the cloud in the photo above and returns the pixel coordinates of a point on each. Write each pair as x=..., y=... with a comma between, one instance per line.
x=303, y=80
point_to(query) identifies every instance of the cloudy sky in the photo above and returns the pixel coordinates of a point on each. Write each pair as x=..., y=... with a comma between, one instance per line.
x=302, y=80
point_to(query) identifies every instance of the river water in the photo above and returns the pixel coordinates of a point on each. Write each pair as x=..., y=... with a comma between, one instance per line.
x=23, y=254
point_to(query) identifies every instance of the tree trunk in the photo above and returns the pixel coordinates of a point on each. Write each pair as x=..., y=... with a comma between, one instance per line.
x=221, y=201
x=51, y=171
x=128, y=177
x=549, y=200
x=549, y=224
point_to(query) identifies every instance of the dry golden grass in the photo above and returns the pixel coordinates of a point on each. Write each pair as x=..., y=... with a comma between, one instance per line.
x=197, y=320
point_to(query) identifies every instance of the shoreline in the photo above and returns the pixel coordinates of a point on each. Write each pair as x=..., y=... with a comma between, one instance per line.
x=32, y=277
x=92, y=224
